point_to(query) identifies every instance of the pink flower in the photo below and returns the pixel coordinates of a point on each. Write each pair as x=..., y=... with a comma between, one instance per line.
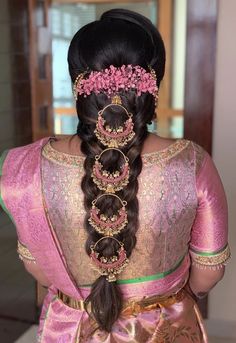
x=113, y=79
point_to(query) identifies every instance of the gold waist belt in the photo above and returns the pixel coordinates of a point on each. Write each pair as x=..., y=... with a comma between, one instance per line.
x=132, y=306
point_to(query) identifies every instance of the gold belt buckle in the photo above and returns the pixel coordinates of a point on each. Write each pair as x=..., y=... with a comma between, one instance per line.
x=148, y=304
x=133, y=307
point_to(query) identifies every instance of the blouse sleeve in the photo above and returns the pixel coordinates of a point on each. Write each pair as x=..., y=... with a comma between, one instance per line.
x=209, y=236
x=22, y=250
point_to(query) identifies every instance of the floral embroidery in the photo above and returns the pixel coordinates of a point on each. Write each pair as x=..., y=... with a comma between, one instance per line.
x=168, y=333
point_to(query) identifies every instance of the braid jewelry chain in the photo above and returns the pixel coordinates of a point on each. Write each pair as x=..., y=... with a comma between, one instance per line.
x=111, y=81
x=112, y=138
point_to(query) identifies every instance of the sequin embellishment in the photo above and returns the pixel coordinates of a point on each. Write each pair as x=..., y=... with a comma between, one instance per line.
x=24, y=253
x=215, y=260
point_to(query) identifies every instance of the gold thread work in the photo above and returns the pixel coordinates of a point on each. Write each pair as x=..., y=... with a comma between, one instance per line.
x=155, y=157
x=214, y=260
x=24, y=253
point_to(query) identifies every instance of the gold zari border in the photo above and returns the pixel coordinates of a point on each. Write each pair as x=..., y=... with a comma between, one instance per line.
x=213, y=260
x=148, y=158
x=61, y=158
x=24, y=253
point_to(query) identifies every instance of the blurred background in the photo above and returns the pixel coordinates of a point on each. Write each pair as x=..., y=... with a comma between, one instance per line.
x=197, y=101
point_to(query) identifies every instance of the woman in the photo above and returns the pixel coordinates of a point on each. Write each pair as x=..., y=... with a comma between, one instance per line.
x=125, y=228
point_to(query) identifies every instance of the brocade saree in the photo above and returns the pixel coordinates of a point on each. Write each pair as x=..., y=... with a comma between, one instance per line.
x=183, y=221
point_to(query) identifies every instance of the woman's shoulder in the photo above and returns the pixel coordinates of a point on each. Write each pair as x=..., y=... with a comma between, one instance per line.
x=28, y=147
x=68, y=144
x=62, y=144
x=199, y=155
x=180, y=148
x=155, y=143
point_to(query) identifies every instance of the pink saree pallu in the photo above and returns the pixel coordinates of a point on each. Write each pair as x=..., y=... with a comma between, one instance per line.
x=156, y=308
x=167, y=319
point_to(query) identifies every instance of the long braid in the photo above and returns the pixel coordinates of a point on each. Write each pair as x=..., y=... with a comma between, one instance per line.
x=89, y=51
x=105, y=297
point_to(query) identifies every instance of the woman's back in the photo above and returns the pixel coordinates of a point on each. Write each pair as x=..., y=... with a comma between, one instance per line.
x=167, y=206
x=122, y=226
x=180, y=195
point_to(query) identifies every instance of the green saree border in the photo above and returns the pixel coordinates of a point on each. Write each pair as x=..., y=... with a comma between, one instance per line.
x=213, y=253
x=2, y=160
x=153, y=277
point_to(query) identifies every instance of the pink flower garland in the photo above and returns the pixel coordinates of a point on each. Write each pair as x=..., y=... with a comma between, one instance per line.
x=112, y=80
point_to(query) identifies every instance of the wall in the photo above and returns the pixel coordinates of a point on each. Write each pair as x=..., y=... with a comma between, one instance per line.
x=222, y=301
x=17, y=288
x=15, y=103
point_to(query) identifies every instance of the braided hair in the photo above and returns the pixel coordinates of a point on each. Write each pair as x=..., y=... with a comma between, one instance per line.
x=120, y=37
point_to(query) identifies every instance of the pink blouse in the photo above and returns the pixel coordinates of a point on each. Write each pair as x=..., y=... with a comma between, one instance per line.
x=183, y=211
x=182, y=216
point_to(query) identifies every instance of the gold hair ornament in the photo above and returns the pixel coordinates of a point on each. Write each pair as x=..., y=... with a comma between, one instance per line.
x=109, y=266
x=105, y=225
x=110, y=182
x=114, y=137
x=78, y=79
x=154, y=75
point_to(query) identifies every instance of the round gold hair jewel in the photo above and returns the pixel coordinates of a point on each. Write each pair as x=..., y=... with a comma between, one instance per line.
x=105, y=225
x=113, y=138
x=110, y=266
x=110, y=182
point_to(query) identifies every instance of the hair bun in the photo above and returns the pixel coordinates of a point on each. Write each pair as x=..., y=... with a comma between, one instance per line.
x=143, y=22
x=127, y=15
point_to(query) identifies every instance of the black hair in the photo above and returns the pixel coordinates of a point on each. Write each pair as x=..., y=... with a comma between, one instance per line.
x=120, y=37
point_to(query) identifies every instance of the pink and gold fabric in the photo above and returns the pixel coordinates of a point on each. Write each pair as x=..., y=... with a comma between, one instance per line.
x=183, y=220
